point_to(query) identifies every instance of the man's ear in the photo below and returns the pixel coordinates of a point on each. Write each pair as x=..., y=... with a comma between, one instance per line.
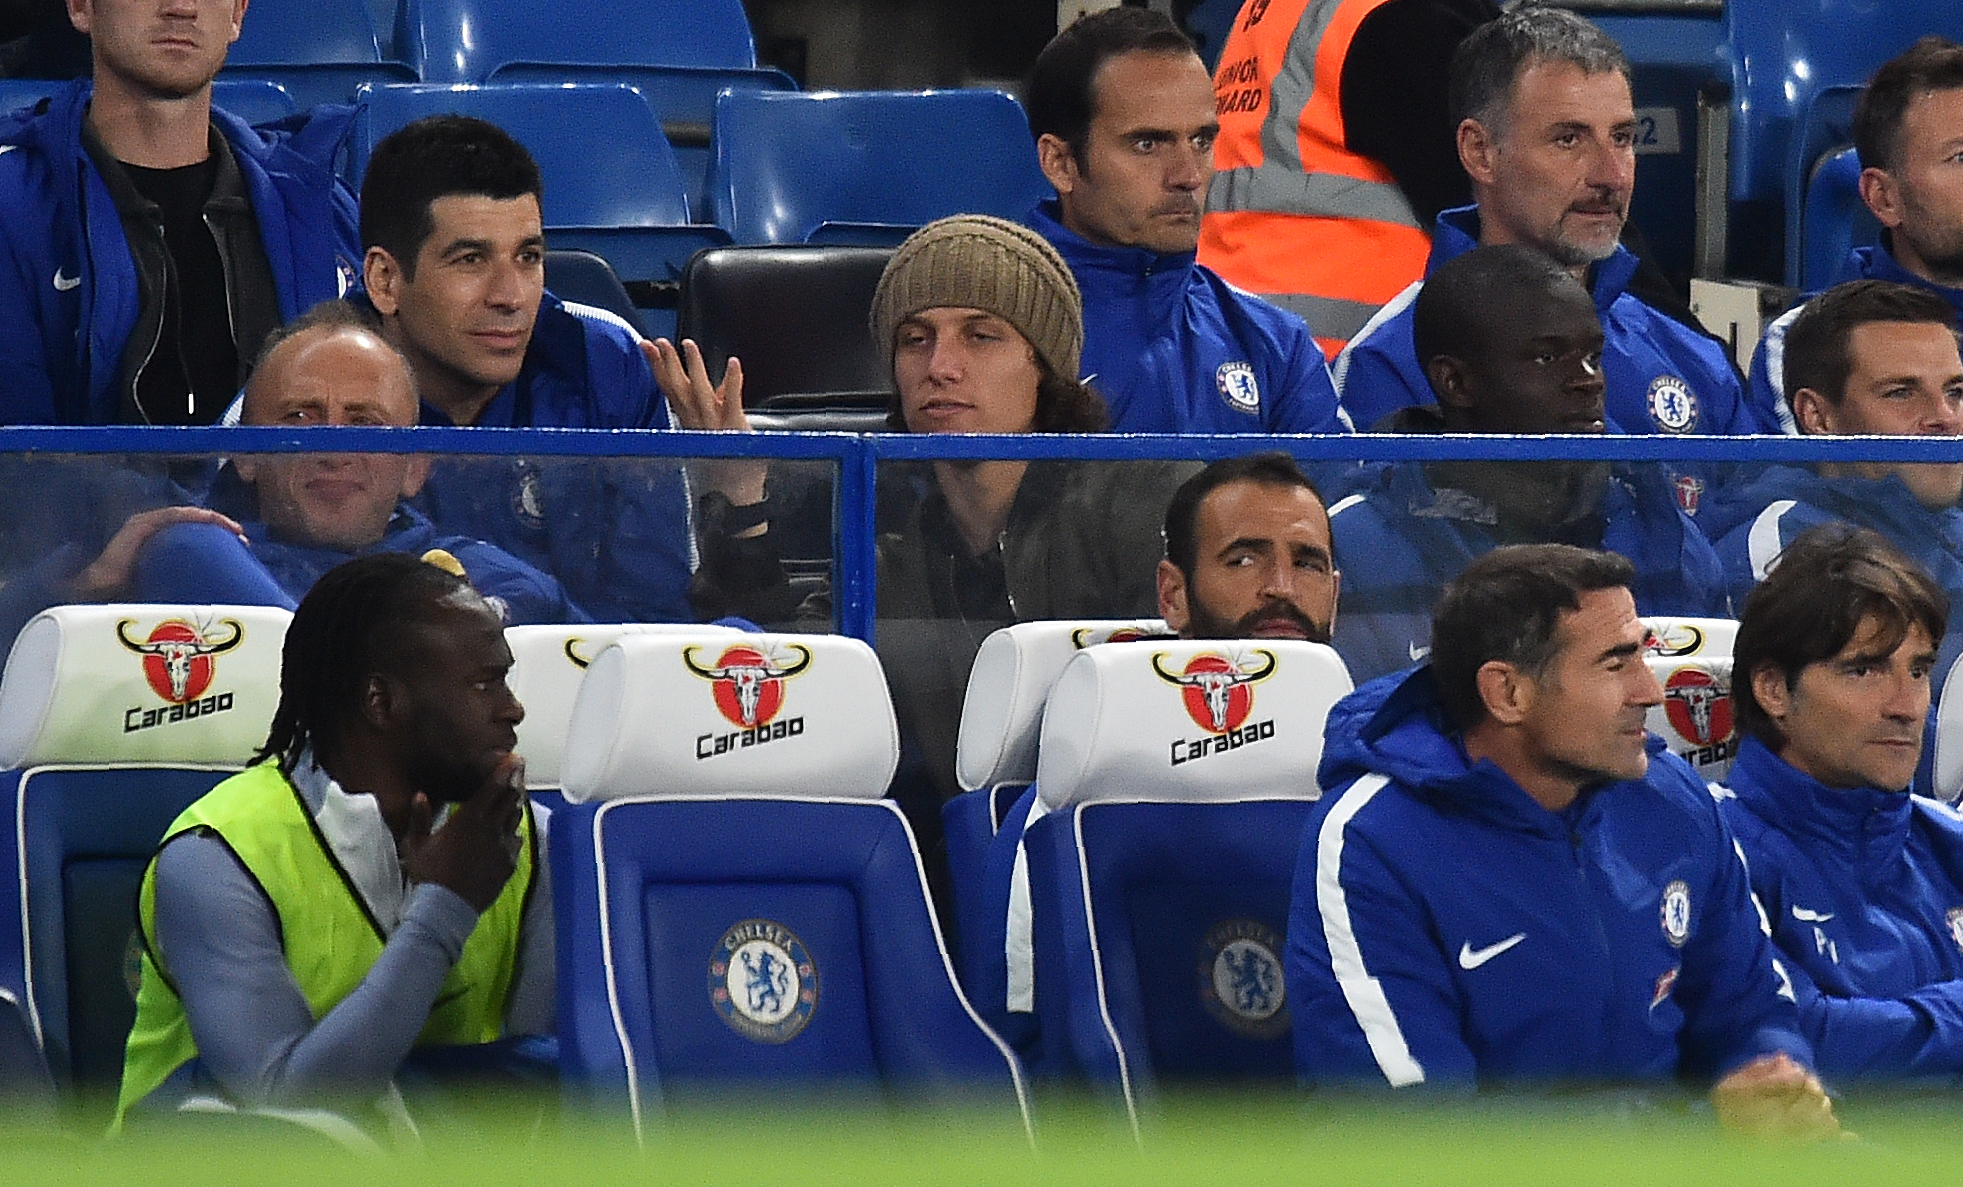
x=1172, y=597
x=378, y=702
x=1449, y=381
x=1770, y=691
x=81, y=14
x=238, y=20
x=1053, y=156
x=417, y=474
x=1813, y=413
x=382, y=277
x=1507, y=692
x=1477, y=151
x=1335, y=598
x=1878, y=190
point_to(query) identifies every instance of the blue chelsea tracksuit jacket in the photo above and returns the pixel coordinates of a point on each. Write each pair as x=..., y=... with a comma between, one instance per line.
x=68, y=285
x=1663, y=377
x=1446, y=930
x=1398, y=542
x=1864, y=890
x=1175, y=349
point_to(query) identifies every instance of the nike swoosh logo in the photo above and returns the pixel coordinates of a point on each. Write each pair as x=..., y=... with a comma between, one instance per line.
x=1418, y=653
x=1471, y=958
x=65, y=283
x=1806, y=916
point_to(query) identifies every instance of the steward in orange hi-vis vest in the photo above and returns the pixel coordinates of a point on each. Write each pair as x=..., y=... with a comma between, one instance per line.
x=1301, y=212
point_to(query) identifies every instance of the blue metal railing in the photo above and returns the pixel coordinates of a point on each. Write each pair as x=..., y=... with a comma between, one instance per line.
x=857, y=458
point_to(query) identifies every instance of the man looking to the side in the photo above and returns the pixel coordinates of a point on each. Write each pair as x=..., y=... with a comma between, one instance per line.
x=452, y=226
x=1122, y=110
x=1509, y=883
x=1859, y=879
x=1908, y=129
x=307, y=926
x=1546, y=132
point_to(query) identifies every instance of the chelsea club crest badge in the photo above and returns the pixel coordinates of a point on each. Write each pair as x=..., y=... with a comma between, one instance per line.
x=1672, y=405
x=1675, y=913
x=1237, y=387
x=1240, y=978
x=762, y=981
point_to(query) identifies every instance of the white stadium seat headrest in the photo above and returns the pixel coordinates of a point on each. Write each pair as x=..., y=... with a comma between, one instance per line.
x=1199, y=719
x=547, y=664
x=1671, y=638
x=1948, y=759
x=1012, y=677
x=1695, y=719
x=716, y=715
x=141, y=683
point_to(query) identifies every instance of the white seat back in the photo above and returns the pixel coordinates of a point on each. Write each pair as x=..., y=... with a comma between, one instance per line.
x=1695, y=719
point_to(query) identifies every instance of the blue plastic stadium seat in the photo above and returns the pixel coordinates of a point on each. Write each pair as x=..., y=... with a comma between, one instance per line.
x=1833, y=220
x=867, y=166
x=611, y=186
x=677, y=53
x=319, y=50
x=1177, y=776
x=103, y=745
x=740, y=907
x=995, y=760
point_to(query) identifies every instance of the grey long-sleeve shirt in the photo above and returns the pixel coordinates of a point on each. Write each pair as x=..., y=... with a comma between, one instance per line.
x=258, y=1042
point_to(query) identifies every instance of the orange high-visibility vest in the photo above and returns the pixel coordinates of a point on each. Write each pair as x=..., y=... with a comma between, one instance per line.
x=1292, y=214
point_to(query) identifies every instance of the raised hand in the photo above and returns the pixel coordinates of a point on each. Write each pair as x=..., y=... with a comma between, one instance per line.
x=476, y=850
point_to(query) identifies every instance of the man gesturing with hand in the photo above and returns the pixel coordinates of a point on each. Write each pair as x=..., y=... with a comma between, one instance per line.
x=370, y=893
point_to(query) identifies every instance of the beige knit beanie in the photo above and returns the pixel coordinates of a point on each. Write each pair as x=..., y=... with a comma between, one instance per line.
x=977, y=262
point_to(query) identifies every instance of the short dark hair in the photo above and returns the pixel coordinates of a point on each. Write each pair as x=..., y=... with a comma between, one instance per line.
x=1270, y=468
x=1494, y=55
x=1062, y=405
x=1507, y=606
x=354, y=622
x=1817, y=351
x=1820, y=590
x=1931, y=64
x=1058, y=92
x=1454, y=311
x=435, y=157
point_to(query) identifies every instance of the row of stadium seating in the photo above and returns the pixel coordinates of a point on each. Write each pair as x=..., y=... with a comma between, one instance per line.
x=747, y=841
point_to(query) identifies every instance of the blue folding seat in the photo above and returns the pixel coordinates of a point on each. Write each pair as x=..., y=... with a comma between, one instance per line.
x=611, y=186
x=1833, y=220
x=995, y=762
x=867, y=166
x=318, y=50
x=737, y=904
x=113, y=719
x=677, y=53
x=1178, y=776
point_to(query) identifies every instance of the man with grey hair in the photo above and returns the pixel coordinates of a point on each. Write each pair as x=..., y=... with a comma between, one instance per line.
x=1546, y=132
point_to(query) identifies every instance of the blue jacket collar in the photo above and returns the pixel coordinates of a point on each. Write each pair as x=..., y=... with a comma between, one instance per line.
x=1865, y=824
x=1879, y=263
x=1088, y=259
x=1397, y=726
x=1458, y=233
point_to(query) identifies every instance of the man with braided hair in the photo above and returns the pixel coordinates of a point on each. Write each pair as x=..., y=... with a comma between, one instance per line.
x=307, y=932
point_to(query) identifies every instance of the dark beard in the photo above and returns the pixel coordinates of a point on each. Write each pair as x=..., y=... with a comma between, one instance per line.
x=1202, y=624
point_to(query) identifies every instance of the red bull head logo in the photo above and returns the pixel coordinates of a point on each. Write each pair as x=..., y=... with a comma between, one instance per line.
x=1676, y=638
x=1218, y=691
x=749, y=685
x=178, y=657
x=1699, y=707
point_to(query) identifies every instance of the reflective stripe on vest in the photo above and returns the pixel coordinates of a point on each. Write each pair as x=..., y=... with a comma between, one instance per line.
x=1292, y=214
x=328, y=935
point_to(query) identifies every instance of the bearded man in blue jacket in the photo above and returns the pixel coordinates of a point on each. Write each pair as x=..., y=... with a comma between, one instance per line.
x=1546, y=132
x=1510, y=883
x=1861, y=880
x=1122, y=110
x=1512, y=346
x=1905, y=131
x=453, y=229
